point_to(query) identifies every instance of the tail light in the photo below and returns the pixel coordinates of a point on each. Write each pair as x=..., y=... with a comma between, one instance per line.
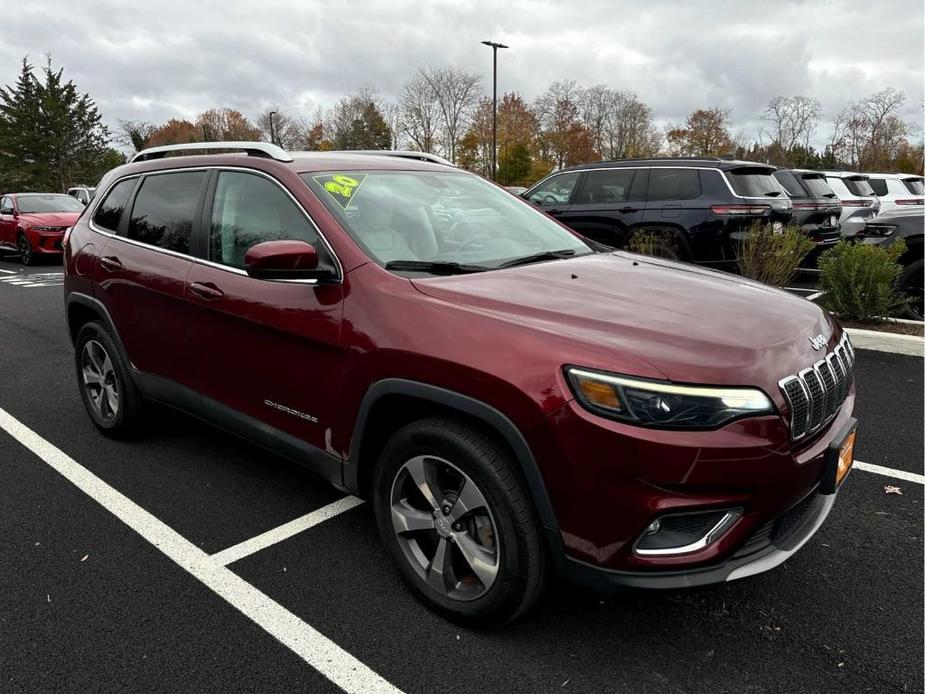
x=741, y=209
x=857, y=203
x=909, y=201
x=811, y=205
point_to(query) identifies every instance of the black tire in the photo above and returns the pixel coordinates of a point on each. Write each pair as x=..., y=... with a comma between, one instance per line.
x=910, y=286
x=124, y=420
x=520, y=563
x=26, y=256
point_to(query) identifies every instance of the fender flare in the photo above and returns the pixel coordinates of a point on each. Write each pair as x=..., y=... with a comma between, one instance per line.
x=523, y=456
x=100, y=309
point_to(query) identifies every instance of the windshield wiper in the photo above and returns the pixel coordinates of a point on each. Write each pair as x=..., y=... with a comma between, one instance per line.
x=434, y=267
x=537, y=257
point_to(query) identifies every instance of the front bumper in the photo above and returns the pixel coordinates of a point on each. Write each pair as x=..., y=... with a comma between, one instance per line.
x=46, y=242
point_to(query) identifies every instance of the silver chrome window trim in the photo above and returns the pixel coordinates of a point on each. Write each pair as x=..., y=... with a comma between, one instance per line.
x=711, y=536
x=202, y=261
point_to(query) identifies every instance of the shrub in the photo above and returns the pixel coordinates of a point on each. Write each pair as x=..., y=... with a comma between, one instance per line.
x=773, y=257
x=859, y=280
x=653, y=242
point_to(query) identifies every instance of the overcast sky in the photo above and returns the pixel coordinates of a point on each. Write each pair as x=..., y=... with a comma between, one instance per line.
x=156, y=60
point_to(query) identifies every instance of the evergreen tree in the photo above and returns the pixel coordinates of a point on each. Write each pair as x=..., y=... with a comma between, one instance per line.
x=51, y=136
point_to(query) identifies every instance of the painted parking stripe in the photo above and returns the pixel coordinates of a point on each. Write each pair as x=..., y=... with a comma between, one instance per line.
x=314, y=648
x=890, y=472
x=8, y=272
x=285, y=531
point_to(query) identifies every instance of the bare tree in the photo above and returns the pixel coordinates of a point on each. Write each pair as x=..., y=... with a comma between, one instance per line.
x=420, y=112
x=276, y=125
x=792, y=120
x=134, y=133
x=391, y=113
x=456, y=93
x=870, y=134
x=558, y=112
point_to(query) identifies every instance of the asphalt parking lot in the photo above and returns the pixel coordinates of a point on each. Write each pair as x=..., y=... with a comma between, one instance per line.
x=89, y=602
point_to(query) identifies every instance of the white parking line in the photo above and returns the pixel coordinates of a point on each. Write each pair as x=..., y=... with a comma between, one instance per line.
x=314, y=648
x=8, y=272
x=285, y=531
x=890, y=472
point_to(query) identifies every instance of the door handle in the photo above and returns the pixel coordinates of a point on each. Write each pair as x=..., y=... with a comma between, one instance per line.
x=629, y=209
x=110, y=263
x=206, y=291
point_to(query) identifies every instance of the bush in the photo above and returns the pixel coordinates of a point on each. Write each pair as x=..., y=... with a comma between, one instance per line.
x=859, y=280
x=773, y=257
x=658, y=243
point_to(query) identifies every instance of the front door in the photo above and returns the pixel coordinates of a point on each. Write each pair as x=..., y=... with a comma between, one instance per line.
x=607, y=204
x=554, y=195
x=268, y=350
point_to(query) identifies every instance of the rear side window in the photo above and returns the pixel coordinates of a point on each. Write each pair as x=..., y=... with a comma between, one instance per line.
x=879, y=185
x=248, y=209
x=674, y=184
x=790, y=184
x=109, y=212
x=915, y=185
x=752, y=183
x=164, y=210
x=606, y=186
x=859, y=186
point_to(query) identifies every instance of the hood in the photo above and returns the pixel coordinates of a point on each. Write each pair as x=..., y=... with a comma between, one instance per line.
x=692, y=324
x=50, y=219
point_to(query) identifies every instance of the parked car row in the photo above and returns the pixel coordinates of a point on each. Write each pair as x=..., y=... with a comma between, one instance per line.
x=704, y=206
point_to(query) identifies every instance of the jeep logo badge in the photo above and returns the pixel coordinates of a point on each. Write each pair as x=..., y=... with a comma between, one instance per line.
x=818, y=342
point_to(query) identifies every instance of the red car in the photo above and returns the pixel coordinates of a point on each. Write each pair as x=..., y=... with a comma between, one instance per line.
x=514, y=401
x=33, y=224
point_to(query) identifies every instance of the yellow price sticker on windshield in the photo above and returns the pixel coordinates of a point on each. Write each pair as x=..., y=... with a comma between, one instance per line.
x=341, y=187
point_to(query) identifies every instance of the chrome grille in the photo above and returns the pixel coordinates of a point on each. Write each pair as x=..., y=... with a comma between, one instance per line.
x=816, y=393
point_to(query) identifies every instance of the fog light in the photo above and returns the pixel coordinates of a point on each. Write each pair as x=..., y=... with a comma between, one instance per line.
x=682, y=533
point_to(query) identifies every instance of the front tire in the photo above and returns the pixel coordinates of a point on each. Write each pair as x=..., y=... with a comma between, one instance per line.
x=457, y=522
x=26, y=255
x=106, y=386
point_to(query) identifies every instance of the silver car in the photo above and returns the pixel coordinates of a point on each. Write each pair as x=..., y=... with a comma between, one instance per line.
x=858, y=201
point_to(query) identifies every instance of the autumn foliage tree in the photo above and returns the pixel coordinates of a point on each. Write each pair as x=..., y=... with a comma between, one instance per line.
x=703, y=134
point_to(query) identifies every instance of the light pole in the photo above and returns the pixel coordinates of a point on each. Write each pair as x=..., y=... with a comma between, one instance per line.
x=272, y=129
x=494, y=104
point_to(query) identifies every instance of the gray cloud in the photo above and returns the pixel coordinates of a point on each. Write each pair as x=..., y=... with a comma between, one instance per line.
x=174, y=59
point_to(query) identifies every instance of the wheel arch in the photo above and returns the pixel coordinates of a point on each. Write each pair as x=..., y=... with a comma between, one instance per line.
x=82, y=309
x=678, y=230
x=391, y=403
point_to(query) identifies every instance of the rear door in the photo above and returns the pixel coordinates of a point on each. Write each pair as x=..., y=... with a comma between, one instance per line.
x=268, y=350
x=607, y=203
x=142, y=273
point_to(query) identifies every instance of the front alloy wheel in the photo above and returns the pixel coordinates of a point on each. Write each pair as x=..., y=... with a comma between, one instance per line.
x=99, y=380
x=445, y=528
x=25, y=251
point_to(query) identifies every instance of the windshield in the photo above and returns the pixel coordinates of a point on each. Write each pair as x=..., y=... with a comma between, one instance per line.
x=915, y=185
x=30, y=204
x=859, y=186
x=754, y=182
x=817, y=187
x=439, y=217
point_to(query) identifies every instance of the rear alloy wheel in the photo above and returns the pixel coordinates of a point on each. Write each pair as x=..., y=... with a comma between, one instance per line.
x=457, y=522
x=25, y=250
x=106, y=386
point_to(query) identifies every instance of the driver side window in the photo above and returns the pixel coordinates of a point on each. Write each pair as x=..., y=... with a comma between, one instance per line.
x=556, y=190
x=6, y=205
x=249, y=209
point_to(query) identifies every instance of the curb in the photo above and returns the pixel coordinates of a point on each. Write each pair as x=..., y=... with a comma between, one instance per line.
x=887, y=342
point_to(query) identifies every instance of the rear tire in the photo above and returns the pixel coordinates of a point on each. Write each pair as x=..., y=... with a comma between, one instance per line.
x=910, y=286
x=468, y=545
x=106, y=386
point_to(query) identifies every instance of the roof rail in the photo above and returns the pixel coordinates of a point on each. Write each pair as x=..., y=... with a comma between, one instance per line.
x=402, y=154
x=254, y=149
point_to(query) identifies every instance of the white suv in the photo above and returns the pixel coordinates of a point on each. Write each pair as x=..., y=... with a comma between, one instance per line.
x=897, y=190
x=82, y=193
x=858, y=201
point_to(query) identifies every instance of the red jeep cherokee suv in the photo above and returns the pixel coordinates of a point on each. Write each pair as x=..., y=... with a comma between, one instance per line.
x=513, y=400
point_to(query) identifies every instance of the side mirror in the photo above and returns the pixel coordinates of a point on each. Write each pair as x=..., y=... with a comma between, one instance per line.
x=284, y=260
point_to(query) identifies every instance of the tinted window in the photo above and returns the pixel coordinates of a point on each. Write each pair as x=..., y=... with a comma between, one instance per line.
x=878, y=185
x=674, y=184
x=790, y=184
x=165, y=208
x=753, y=182
x=817, y=187
x=915, y=185
x=248, y=210
x=606, y=186
x=6, y=204
x=859, y=186
x=29, y=204
x=554, y=191
x=109, y=212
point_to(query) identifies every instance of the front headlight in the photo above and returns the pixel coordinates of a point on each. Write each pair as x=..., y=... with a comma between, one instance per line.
x=662, y=404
